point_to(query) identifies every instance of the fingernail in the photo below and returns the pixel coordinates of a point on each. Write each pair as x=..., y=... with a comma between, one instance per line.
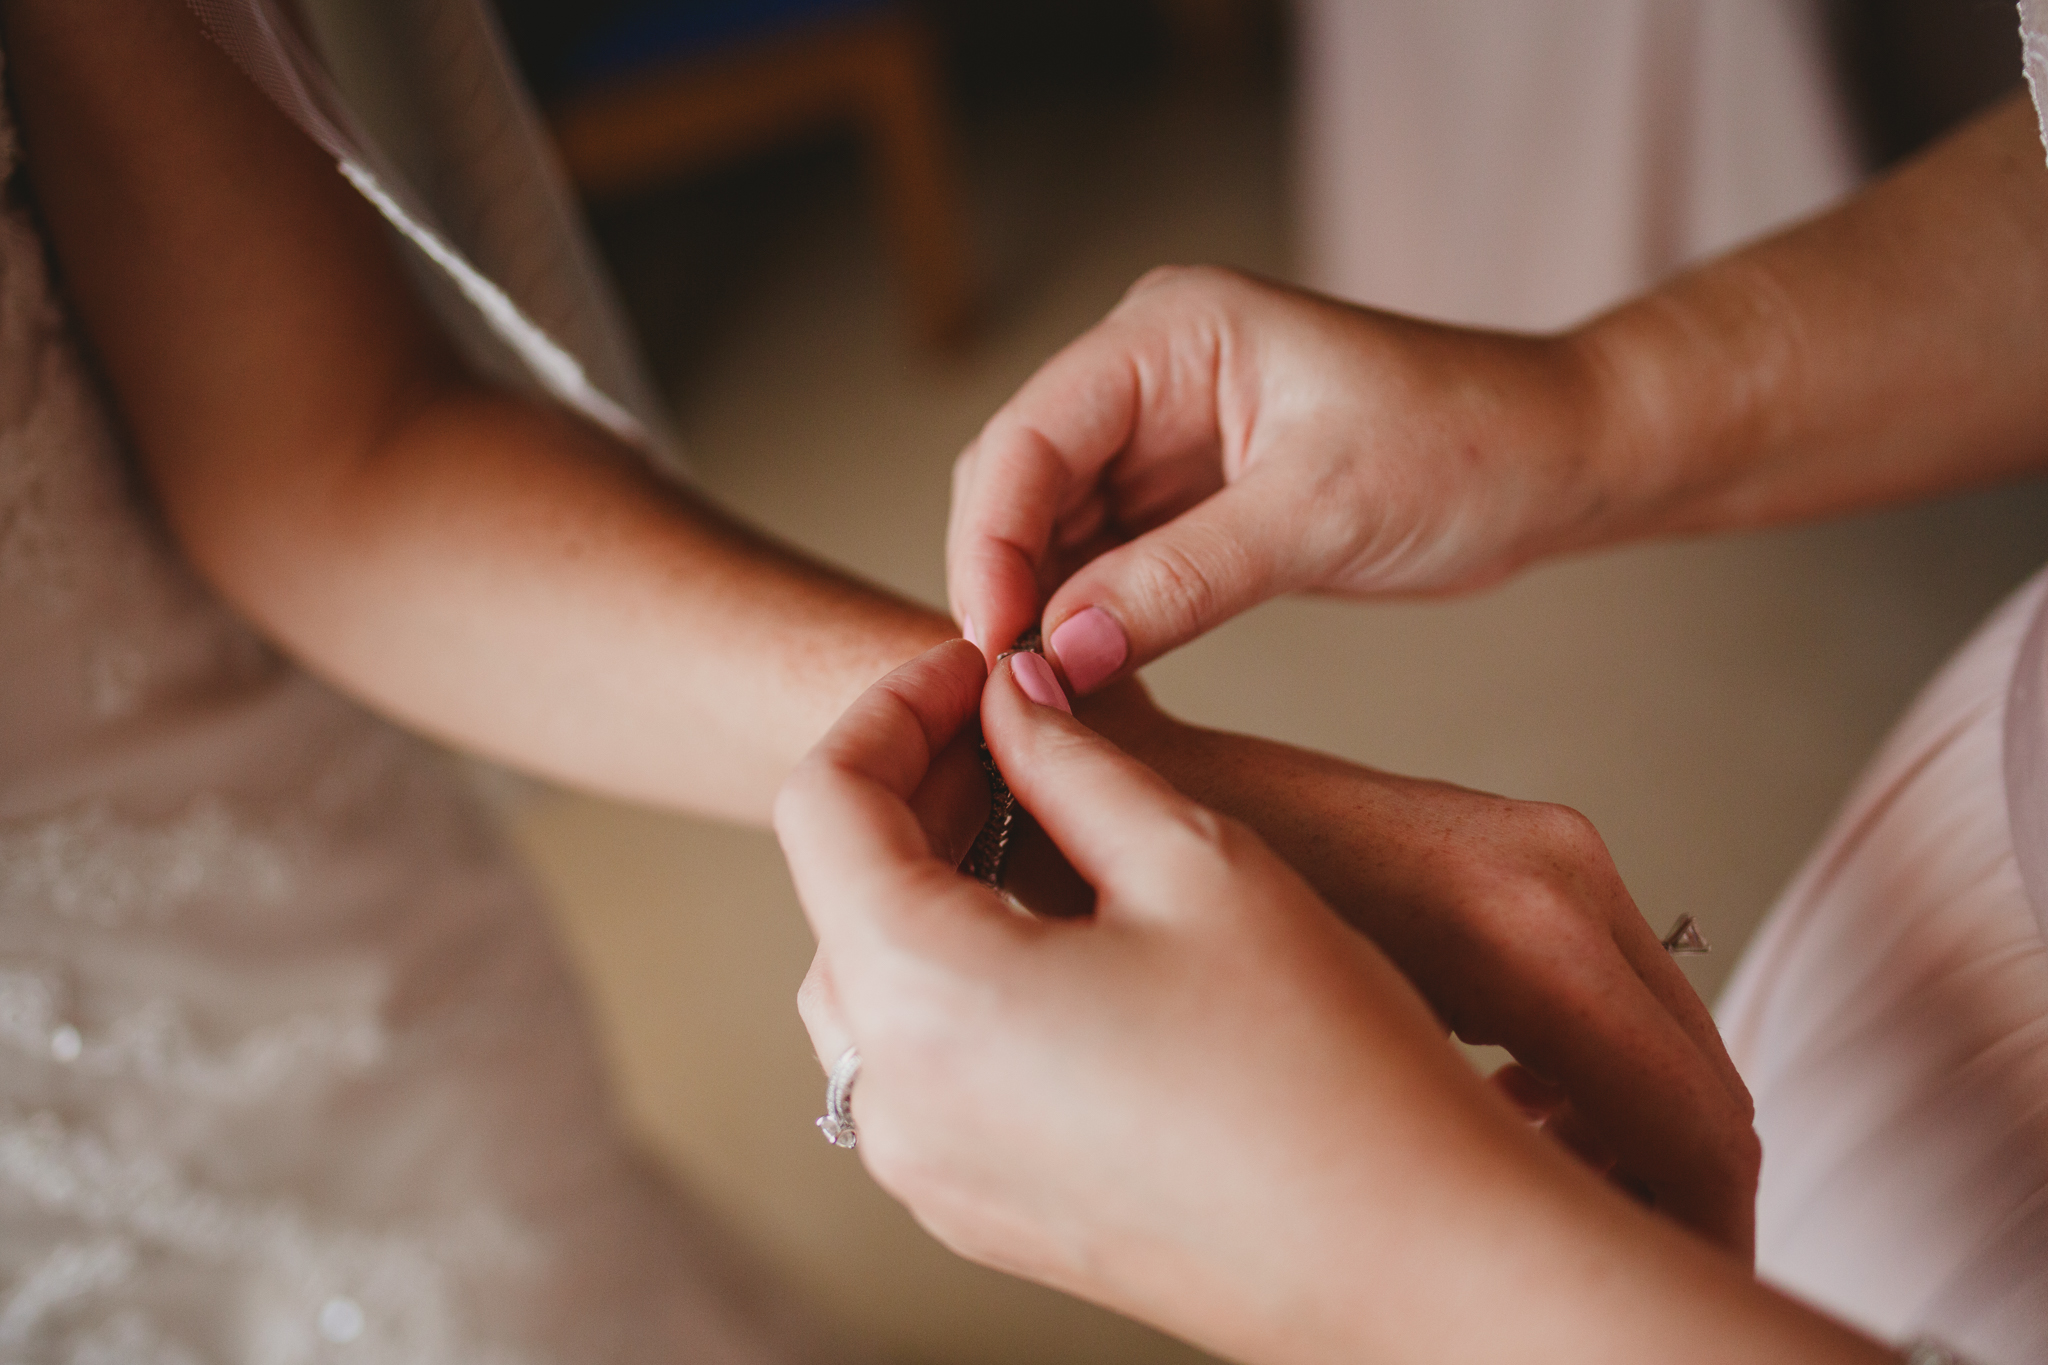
x=967, y=629
x=1091, y=646
x=1034, y=675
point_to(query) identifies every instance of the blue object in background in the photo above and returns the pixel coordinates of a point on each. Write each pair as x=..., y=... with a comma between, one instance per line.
x=660, y=31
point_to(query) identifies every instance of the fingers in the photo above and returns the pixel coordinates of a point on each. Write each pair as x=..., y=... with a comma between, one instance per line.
x=817, y=1004
x=1675, y=995
x=1587, y=998
x=1641, y=1082
x=1121, y=825
x=893, y=732
x=1138, y=386
x=1248, y=543
x=1007, y=490
x=1646, y=954
x=951, y=803
x=855, y=847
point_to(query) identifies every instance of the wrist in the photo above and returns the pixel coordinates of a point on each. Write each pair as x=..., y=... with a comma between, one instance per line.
x=1685, y=391
x=1627, y=461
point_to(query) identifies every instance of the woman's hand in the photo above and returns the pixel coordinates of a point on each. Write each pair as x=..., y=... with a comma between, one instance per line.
x=1217, y=441
x=1080, y=1101
x=1209, y=1105
x=1511, y=920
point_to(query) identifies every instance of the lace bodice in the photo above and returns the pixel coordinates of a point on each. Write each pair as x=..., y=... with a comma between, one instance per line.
x=289, y=1071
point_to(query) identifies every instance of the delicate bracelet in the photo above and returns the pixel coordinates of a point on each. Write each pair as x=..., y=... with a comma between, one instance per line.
x=984, y=861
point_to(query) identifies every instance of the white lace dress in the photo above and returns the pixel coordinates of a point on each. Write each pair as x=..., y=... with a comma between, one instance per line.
x=289, y=1069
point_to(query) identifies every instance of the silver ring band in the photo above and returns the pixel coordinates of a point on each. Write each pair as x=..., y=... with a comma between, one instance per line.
x=837, y=1125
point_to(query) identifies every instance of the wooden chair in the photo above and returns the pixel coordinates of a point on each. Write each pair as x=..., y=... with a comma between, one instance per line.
x=871, y=65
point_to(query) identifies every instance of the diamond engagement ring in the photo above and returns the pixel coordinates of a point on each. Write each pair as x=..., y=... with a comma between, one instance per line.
x=837, y=1125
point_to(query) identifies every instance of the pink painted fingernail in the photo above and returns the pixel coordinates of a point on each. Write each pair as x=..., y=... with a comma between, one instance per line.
x=1034, y=675
x=1091, y=646
x=967, y=629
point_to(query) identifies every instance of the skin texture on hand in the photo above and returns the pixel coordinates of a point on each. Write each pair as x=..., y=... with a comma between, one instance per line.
x=1209, y=1104
x=1217, y=441
x=1510, y=919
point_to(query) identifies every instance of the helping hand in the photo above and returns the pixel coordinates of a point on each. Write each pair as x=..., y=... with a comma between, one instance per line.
x=1511, y=919
x=1090, y=1102
x=1217, y=441
x=1507, y=915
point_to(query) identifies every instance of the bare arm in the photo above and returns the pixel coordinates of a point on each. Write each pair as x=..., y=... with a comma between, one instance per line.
x=482, y=567
x=1895, y=348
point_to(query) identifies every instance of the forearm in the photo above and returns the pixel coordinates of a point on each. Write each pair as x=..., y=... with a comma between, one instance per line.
x=1426, y=1230
x=1563, y=1269
x=1893, y=349
x=485, y=568
x=501, y=576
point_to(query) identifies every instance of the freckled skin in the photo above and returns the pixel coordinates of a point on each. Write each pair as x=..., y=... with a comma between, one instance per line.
x=1209, y=1105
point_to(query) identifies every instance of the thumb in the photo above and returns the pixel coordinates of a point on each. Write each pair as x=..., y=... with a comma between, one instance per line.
x=1124, y=828
x=1253, y=540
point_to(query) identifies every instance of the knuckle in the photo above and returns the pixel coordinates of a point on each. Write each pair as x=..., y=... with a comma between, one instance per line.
x=1746, y=1159
x=1567, y=831
x=1745, y=1104
x=1723, y=1154
x=795, y=798
x=1185, y=578
x=1752, y=1167
x=1548, y=864
x=965, y=1231
x=1201, y=833
x=896, y=1165
x=1162, y=277
x=1204, y=847
x=811, y=997
x=1199, y=279
x=1335, y=496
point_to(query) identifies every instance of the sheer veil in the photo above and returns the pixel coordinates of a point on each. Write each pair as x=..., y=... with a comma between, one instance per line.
x=466, y=177
x=2034, y=42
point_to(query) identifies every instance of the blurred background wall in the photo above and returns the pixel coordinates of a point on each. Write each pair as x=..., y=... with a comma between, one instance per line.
x=845, y=231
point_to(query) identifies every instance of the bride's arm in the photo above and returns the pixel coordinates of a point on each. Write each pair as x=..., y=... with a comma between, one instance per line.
x=482, y=567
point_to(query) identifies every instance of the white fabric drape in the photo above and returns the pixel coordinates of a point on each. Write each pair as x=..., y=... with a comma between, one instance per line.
x=465, y=176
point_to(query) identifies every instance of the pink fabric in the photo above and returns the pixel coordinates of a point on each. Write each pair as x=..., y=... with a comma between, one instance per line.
x=1892, y=1021
x=1522, y=165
